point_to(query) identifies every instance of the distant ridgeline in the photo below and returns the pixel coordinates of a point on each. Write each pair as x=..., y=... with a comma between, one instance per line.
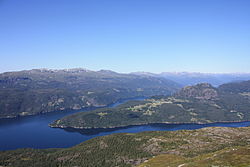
x=193, y=78
x=215, y=79
x=41, y=90
x=201, y=103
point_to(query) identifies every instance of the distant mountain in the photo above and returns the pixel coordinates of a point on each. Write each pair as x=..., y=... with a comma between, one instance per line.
x=186, y=78
x=236, y=87
x=44, y=90
x=189, y=78
x=201, y=103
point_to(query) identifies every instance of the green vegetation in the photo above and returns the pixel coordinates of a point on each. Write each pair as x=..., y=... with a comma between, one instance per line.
x=236, y=87
x=40, y=91
x=230, y=157
x=203, y=147
x=193, y=104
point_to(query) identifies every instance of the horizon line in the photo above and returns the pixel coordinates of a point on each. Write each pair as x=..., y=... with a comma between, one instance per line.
x=133, y=72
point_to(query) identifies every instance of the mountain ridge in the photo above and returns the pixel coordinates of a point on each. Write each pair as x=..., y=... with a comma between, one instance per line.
x=37, y=91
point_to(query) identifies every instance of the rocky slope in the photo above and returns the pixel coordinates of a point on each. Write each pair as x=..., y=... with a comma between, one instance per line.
x=197, y=148
x=201, y=91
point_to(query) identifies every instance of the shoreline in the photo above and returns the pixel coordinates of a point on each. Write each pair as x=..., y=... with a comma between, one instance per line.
x=142, y=124
x=72, y=110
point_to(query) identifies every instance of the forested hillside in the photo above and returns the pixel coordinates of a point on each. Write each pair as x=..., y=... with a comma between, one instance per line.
x=41, y=90
x=201, y=103
x=194, y=148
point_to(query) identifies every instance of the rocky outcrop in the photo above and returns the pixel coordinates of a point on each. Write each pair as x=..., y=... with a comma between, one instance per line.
x=203, y=91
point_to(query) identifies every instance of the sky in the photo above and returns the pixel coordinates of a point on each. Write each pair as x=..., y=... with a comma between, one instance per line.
x=126, y=35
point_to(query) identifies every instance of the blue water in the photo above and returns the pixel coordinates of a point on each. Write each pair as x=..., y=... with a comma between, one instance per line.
x=34, y=132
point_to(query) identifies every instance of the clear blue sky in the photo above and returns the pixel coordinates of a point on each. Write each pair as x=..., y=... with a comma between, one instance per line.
x=126, y=35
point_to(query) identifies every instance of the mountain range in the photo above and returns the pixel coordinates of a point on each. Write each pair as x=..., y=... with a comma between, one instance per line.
x=43, y=90
x=193, y=78
x=36, y=91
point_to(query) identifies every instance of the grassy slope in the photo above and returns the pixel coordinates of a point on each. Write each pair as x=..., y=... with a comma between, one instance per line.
x=232, y=156
x=208, y=146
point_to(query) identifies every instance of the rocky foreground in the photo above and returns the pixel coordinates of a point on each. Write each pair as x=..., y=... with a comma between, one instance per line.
x=218, y=146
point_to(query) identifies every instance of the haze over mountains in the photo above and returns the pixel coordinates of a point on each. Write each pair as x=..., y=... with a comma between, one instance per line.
x=192, y=78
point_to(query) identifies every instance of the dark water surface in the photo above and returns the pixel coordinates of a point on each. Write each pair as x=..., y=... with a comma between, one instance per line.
x=34, y=132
